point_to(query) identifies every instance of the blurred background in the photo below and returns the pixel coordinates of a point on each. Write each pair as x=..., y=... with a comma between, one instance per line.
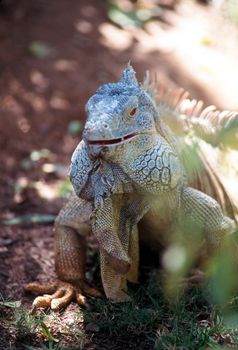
x=55, y=54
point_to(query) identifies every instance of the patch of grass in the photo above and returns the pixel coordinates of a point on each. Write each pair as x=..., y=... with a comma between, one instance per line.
x=27, y=324
x=48, y=346
x=9, y=303
x=139, y=315
x=152, y=320
x=41, y=331
x=188, y=322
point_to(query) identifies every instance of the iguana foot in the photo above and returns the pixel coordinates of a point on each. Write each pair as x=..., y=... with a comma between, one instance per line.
x=58, y=295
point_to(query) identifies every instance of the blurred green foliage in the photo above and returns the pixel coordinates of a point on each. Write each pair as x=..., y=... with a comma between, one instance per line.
x=133, y=16
x=122, y=18
x=231, y=10
x=36, y=155
x=40, y=50
x=65, y=188
x=74, y=127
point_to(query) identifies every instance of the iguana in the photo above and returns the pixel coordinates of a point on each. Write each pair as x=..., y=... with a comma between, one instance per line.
x=133, y=180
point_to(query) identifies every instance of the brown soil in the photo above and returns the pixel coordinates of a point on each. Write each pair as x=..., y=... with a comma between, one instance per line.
x=39, y=96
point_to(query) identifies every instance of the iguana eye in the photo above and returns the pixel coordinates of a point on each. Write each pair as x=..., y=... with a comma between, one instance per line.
x=132, y=112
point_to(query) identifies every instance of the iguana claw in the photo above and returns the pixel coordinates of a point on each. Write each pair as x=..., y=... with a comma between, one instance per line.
x=61, y=294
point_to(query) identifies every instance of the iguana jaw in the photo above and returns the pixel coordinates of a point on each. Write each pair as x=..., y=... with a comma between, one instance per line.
x=119, y=140
x=112, y=141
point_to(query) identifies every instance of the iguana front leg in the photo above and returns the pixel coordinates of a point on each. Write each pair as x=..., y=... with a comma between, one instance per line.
x=71, y=228
x=205, y=213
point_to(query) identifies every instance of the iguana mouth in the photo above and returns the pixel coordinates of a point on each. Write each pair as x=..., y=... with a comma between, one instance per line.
x=112, y=141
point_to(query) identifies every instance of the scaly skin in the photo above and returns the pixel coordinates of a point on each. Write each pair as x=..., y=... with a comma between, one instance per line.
x=129, y=169
x=71, y=228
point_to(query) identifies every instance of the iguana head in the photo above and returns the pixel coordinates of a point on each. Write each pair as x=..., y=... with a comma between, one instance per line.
x=118, y=115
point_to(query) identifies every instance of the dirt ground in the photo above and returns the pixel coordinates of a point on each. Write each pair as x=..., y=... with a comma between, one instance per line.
x=44, y=87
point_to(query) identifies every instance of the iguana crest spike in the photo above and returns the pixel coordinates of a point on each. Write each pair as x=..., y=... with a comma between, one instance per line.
x=129, y=76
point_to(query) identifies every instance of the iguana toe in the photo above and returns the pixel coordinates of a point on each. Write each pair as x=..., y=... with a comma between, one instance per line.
x=81, y=299
x=93, y=292
x=62, y=294
x=41, y=302
x=40, y=288
x=65, y=295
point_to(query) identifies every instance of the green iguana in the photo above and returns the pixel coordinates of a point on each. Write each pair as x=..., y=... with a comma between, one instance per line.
x=135, y=178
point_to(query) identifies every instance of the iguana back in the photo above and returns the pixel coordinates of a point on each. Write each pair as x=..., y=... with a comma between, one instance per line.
x=203, y=135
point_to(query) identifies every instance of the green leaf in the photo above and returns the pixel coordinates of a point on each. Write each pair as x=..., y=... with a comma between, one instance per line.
x=11, y=304
x=47, y=333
